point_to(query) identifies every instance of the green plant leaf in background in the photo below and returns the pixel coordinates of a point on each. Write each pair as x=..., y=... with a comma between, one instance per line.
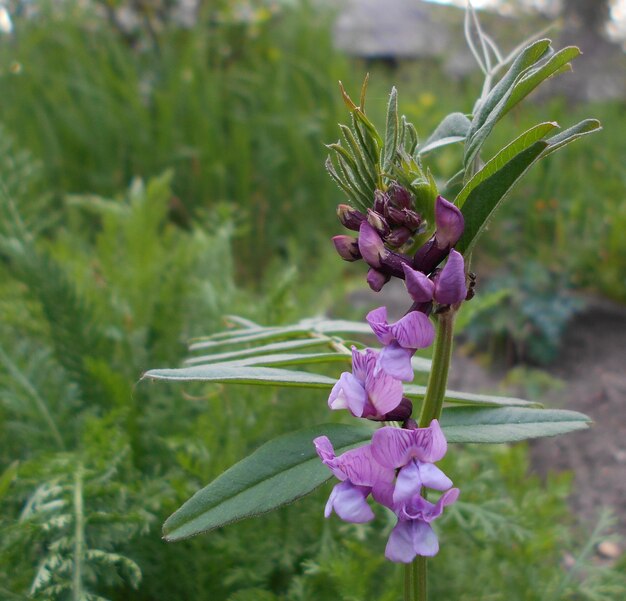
x=277, y=473
x=452, y=129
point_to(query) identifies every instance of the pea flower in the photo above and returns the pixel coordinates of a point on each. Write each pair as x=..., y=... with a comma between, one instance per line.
x=401, y=340
x=368, y=391
x=360, y=475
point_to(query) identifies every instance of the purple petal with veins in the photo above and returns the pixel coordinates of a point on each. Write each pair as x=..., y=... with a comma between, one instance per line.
x=450, y=285
x=419, y=287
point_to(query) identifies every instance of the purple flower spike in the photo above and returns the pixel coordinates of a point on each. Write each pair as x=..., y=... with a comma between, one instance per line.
x=368, y=391
x=418, y=285
x=449, y=221
x=347, y=248
x=371, y=245
x=395, y=447
x=401, y=340
x=450, y=285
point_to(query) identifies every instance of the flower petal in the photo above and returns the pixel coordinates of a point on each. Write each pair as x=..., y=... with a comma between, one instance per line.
x=432, y=477
x=430, y=444
x=360, y=467
x=348, y=393
x=450, y=285
x=371, y=245
x=408, y=483
x=349, y=503
x=395, y=361
x=449, y=221
x=414, y=330
x=383, y=391
x=326, y=453
x=400, y=544
x=424, y=539
x=377, y=319
x=391, y=447
x=418, y=285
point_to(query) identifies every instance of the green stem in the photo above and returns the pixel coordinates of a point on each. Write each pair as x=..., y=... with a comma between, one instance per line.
x=79, y=536
x=420, y=580
x=438, y=378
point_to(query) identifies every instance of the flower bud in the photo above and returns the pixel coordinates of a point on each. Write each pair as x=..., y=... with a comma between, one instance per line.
x=412, y=220
x=371, y=245
x=400, y=196
x=449, y=283
x=378, y=222
x=381, y=200
x=450, y=223
x=398, y=237
x=376, y=279
x=347, y=248
x=350, y=217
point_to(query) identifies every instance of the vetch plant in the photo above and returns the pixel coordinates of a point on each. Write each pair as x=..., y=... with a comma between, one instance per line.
x=408, y=227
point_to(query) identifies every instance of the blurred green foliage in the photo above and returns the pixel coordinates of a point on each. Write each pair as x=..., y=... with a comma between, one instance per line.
x=144, y=187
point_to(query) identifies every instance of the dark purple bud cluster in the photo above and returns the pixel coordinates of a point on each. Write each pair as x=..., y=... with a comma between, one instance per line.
x=389, y=225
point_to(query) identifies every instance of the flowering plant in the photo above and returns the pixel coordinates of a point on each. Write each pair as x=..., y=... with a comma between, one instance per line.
x=412, y=228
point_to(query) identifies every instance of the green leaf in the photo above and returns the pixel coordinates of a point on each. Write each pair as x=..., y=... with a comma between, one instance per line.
x=285, y=359
x=483, y=200
x=452, y=129
x=472, y=425
x=278, y=473
x=391, y=131
x=220, y=374
x=521, y=143
x=468, y=398
x=557, y=63
x=491, y=109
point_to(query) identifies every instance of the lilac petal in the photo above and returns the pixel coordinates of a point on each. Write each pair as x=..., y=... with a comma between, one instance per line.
x=359, y=364
x=408, y=483
x=400, y=544
x=421, y=509
x=383, y=391
x=371, y=245
x=360, y=467
x=326, y=452
x=432, y=477
x=420, y=288
x=430, y=443
x=395, y=361
x=395, y=447
x=377, y=319
x=348, y=393
x=414, y=330
x=425, y=541
x=391, y=447
x=450, y=285
x=449, y=221
x=348, y=502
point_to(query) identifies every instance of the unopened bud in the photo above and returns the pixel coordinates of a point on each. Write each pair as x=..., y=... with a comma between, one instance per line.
x=450, y=223
x=449, y=283
x=371, y=245
x=377, y=279
x=378, y=222
x=412, y=220
x=350, y=217
x=400, y=196
x=381, y=200
x=398, y=237
x=347, y=248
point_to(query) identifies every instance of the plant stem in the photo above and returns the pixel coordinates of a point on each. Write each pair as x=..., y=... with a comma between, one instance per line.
x=420, y=580
x=438, y=378
x=79, y=536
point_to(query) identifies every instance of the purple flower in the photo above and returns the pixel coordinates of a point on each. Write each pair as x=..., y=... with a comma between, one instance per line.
x=401, y=340
x=447, y=287
x=368, y=391
x=360, y=475
x=347, y=247
x=413, y=452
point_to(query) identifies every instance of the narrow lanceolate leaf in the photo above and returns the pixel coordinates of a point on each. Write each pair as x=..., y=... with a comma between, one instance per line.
x=521, y=143
x=510, y=424
x=414, y=391
x=452, y=129
x=492, y=108
x=278, y=473
x=276, y=347
x=484, y=198
x=220, y=374
x=391, y=132
x=278, y=359
x=559, y=62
